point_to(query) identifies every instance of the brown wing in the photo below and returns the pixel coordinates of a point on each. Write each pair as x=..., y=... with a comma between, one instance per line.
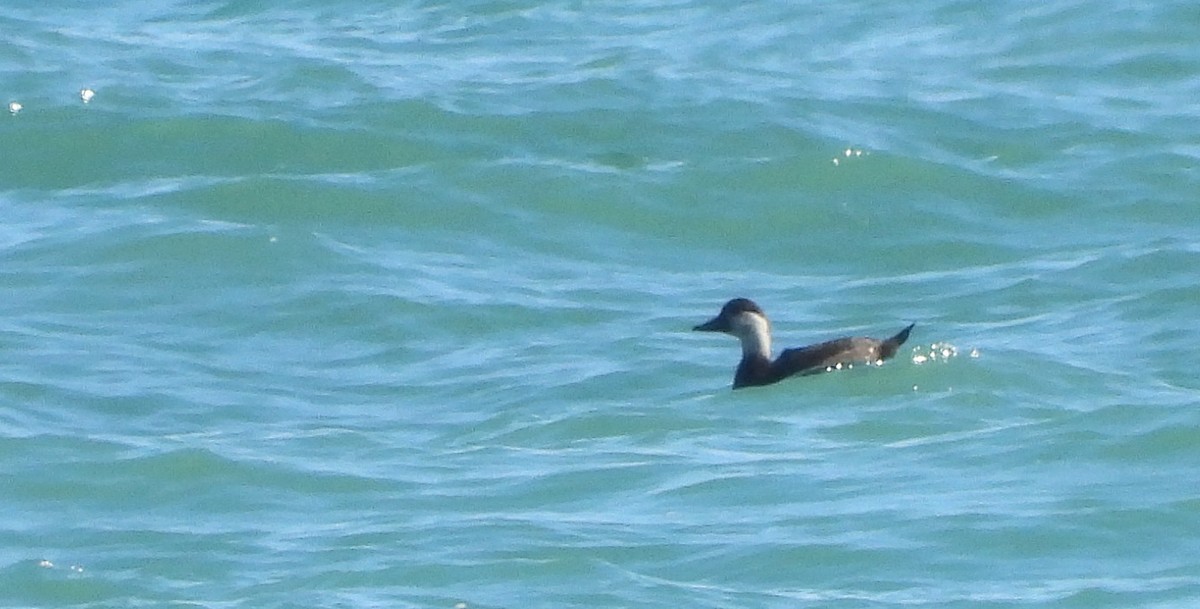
x=816, y=358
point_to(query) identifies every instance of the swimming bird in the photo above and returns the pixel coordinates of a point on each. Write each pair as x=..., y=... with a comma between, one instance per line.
x=742, y=318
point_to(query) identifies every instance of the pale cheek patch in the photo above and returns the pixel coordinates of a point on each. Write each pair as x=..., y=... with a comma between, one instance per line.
x=755, y=334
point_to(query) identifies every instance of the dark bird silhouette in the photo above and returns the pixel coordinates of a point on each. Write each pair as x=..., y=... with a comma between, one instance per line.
x=742, y=318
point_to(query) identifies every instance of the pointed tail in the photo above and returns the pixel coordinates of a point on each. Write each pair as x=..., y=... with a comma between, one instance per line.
x=889, y=346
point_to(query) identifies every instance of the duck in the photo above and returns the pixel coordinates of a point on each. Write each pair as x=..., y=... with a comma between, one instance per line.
x=745, y=320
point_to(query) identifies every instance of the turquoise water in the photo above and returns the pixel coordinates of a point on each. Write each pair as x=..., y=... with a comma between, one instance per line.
x=364, y=305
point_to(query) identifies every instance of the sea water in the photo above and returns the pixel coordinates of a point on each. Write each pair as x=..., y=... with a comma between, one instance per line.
x=388, y=304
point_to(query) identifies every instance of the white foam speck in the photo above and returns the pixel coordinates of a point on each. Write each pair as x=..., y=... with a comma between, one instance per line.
x=936, y=352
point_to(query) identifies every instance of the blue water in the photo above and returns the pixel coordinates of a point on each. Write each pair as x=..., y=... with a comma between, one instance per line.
x=389, y=305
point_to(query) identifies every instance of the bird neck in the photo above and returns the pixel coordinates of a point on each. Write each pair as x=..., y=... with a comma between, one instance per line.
x=755, y=335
